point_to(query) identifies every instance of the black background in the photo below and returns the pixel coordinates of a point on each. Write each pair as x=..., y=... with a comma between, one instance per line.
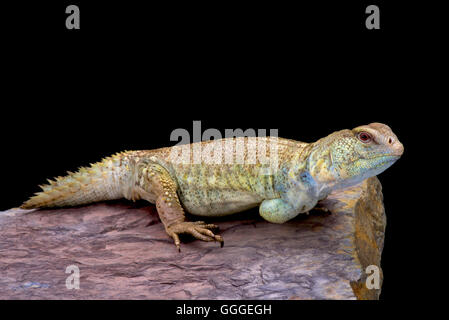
x=134, y=72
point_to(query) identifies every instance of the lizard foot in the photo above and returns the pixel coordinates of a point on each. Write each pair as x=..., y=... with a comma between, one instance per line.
x=198, y=229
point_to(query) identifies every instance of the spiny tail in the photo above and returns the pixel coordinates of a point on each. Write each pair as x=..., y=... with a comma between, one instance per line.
x=103, y=180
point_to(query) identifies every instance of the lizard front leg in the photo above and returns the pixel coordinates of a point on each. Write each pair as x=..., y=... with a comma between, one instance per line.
x=277, y=210
x=156, y=185
x=281, y=210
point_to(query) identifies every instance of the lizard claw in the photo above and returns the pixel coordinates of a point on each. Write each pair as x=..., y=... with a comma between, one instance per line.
x=177, y=241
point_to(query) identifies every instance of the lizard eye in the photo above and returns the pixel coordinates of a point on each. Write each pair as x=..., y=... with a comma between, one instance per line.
x=365, y=137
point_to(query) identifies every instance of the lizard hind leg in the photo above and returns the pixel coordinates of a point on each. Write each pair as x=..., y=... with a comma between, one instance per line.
x=158, y=182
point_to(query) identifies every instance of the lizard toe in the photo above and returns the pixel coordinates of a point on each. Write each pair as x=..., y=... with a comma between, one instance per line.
x=211, y=234
x=176, y=240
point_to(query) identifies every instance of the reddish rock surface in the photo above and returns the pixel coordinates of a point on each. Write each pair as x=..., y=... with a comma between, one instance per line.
x=123, y=252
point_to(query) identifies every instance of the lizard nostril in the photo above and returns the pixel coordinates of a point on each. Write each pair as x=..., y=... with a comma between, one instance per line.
x=390, y=140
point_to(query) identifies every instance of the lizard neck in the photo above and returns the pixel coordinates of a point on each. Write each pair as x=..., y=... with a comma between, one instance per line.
x=294, y=171
x=328, y=174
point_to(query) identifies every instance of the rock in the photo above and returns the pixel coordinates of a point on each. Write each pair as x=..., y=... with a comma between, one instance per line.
x=123, y=252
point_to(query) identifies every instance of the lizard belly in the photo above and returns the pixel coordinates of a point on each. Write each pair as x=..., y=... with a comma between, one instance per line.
x=218, y=190
x=218, y=203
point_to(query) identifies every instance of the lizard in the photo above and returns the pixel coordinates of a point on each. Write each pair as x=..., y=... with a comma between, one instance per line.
x=236, y=178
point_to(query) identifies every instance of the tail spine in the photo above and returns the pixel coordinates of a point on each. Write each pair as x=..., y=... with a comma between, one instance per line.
x=103, y=180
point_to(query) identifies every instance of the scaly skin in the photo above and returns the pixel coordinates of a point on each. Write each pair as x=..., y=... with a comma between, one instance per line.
x=283, y=177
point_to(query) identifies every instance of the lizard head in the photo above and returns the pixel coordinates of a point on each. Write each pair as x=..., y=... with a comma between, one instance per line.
x=360, y=153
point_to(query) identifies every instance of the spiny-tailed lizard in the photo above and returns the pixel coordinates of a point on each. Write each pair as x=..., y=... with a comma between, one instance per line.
x=220, y=177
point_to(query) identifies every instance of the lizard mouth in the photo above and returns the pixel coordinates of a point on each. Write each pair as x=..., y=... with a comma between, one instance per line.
x=385, y=160
x=381, y=158
x=388, y=157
